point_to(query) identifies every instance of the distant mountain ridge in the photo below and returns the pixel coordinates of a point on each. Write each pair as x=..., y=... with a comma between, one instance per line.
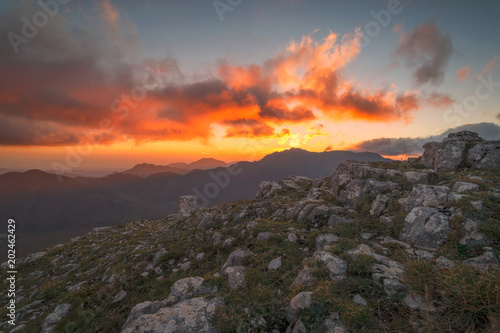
x=50, y=211
x=148, y=169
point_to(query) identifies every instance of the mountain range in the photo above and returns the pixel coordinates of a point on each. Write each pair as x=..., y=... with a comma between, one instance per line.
x=48, y=211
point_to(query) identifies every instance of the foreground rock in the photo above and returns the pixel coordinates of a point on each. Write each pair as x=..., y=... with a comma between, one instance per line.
x=192, y=315
x=425, y=227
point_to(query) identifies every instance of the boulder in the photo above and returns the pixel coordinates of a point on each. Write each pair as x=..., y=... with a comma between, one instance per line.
x=416, y=177
x=50, y=322
x=301, y=301
x=324, y=240
x=187, y=205
x=425, y=227
x=235, y=259
x=427, y=195
x=192, y=315
x=485, y=155
x=275, y=264
x=267, y=189
x=336, y=266
x=379, y=205
x=188, y=288
x=486, y=260
x=351, y=180
x=462, y=187
x=459, y=150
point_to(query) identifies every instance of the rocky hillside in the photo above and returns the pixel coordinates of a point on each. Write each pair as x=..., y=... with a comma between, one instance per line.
x=376, y=247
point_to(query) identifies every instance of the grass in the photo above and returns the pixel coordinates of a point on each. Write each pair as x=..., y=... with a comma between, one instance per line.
x=465, y=297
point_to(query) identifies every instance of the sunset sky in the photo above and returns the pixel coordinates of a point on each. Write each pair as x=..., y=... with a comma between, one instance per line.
x=113, y=83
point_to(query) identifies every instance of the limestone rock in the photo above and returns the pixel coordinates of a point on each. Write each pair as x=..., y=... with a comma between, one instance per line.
x=192, y=315
x=483, y=261
x=267, y=189
x=275, y=264
x=187, y=205
x=325, y=240
x=119, y=297
x=462, y=187
x=485, y=155
x=416, y=177
x=236, y=276
x=426, y=195
x=301, y=301
x=235, y=259
x=425, y=227
x=188, y=288
x=55, y=317
x=336, y=266
x=379, y=205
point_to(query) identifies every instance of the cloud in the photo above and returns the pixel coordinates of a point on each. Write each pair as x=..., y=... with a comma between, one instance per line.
x=70, y=79
x=427, y=51
x=463, y=73
x=439, y=100
x=488, y=67
x=413, y=146
x=498, y=115
x=329, y=148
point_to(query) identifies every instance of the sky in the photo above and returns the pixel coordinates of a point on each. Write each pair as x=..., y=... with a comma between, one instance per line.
x=110, y=83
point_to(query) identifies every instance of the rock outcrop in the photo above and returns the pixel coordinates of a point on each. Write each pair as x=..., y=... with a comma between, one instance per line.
x=461, y=150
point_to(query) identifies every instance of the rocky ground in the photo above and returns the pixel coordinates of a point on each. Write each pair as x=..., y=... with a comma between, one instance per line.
x=377, y=247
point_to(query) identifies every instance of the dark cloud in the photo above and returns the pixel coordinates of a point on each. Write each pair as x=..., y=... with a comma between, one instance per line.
x=68, y=79
x=427, y=51
x=413, y=146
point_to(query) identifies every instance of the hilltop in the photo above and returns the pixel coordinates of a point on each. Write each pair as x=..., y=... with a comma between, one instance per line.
x=382, y=246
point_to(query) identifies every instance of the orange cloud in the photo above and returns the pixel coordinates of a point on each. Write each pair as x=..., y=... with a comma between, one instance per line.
x=83, y=88
x=463, y=73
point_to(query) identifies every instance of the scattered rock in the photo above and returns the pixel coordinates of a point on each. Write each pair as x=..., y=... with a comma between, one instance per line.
x=275, y=264
x=462, y=187
x=267, y=189
x=119, y=297
x=50, y=322
x=425, y=227
x=484, y=261
x=301, y=301
x=305, y=276
x=292, y=237
x=192, y=315
x=236, y=276
x=336, y=266
x=324, y=240
x=426, y=195
x=188, y=288
x=235, y=259
x=379, y=205
x=443, y=262
x=264, y=236
x=415, y=177
x=360, y=300
x=229, y=243
x=187, y=205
